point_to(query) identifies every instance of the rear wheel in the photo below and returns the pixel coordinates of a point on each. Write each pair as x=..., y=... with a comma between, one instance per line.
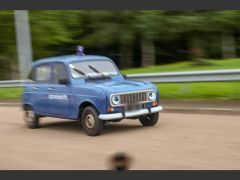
x=90, y=122
x=31, y=119
x=149, y=120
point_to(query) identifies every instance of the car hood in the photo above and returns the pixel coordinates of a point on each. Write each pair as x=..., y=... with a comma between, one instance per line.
x=121, y=86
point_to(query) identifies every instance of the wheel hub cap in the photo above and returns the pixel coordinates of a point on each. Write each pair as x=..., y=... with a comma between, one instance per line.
x=30, y=116
x=90, y=121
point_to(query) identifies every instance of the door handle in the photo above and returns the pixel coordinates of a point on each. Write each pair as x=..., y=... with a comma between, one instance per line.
x=50, y=89
x=35, y=88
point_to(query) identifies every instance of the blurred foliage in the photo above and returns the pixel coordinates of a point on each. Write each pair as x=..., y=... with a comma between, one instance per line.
x=7, y=45
x=130, y=38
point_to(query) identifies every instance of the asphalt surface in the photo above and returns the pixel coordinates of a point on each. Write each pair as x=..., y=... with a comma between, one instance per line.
x=178, y=141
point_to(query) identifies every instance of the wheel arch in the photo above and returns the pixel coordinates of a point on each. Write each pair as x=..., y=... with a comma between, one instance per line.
x=83, y=105
x=25, y=105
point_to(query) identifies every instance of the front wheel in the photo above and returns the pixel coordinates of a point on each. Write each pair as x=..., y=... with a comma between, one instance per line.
x=149, y=120
x=90, y=122
x=31, y=119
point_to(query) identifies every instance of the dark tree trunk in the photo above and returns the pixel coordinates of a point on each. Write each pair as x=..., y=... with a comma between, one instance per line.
x=228, y=44
x=126, y=59
x=148, y=52
x=197, y=51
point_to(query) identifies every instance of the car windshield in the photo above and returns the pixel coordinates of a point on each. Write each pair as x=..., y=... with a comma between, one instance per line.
x=93, y=68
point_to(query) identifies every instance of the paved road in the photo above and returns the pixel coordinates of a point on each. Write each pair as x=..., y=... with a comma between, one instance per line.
x=179, y=141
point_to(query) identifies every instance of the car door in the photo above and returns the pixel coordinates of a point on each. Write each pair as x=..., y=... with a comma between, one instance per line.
x=39, y=95
x=59, y=90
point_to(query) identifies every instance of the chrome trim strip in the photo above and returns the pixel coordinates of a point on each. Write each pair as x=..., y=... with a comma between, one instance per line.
x=110, y=116
x=156, y=109
x=136, y=113
x=129, y=113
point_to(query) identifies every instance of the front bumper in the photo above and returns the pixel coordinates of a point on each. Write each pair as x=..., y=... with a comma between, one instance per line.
x=129, y=114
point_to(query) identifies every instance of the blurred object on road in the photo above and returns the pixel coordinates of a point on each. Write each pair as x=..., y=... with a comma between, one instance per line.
x=120, y=161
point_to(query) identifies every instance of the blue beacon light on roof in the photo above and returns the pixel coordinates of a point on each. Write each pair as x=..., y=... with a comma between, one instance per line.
x=80, y=50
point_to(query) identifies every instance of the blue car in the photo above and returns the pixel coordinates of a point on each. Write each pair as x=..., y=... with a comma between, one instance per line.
x=87, y=88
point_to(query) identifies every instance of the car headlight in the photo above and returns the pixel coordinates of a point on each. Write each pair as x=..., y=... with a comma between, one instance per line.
x=116, y=99
x=151, y=95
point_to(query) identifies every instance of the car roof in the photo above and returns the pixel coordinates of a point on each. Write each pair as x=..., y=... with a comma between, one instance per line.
x=69, y=58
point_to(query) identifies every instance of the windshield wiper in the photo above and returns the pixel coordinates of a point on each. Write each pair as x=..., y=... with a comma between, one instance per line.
x=79, y=72
x=84, y=74
x=88, y=75
x=96, y=71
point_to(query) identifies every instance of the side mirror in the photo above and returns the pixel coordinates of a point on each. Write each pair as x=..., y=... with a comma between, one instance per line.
x=63, y=81
x=124, y=76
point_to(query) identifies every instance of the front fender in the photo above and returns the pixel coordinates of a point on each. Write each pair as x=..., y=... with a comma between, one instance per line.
x=96, y=97
x=157, y=93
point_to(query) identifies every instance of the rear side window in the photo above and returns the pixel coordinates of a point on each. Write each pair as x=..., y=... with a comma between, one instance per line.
x=59, y=73
x=31, y=75
x=43, y=74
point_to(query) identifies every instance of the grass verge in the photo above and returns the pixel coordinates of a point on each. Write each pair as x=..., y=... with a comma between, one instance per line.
x=208, y=90
x=187, y=66
x=201, y=90
x=10, y=93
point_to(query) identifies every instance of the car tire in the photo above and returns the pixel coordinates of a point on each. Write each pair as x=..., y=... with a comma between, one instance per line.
x=90, y=122
x=31, y=119
x=149, y=120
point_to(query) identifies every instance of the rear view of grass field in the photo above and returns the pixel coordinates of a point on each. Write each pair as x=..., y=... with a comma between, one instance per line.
x=200, y=90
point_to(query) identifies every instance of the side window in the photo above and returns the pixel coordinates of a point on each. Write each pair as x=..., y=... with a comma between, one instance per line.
x=31, y=75
x=43, y=74
x=59, y=73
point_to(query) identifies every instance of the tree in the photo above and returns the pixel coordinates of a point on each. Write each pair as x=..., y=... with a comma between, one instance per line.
x=147, y=26
x=8, y=62
x=49, y=31
x=107, y=27
x=155, y=25
x=194, y=24
x=227, y=22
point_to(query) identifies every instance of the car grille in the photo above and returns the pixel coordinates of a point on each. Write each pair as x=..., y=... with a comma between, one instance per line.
x=131, y=98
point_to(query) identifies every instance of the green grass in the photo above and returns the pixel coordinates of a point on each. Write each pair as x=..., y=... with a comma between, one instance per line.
x=208, y=90
x=187, y=66
x=10, y=93
x=201, y=90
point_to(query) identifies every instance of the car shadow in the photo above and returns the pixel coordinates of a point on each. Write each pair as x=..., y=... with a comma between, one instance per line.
x=71, y=126
x=74, y=126
x=120, y=128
